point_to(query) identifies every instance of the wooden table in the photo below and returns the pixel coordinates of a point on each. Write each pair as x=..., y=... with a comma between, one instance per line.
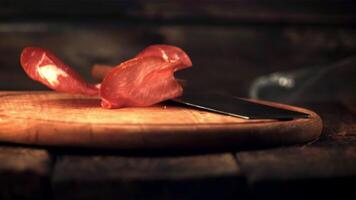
x=248, y=41
x=321, y=168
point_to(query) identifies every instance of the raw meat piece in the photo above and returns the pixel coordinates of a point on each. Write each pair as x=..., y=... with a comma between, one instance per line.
x=141, y=81
x=169, y=53
x=43, y=66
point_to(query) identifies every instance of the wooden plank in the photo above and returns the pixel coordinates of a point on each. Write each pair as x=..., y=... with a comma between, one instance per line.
x=306, y=172
x=142, y=177
x=339, y=118
x=24, y=173
x=322, y=169
x=52, y=118
x=298, y=162
x=276, y=11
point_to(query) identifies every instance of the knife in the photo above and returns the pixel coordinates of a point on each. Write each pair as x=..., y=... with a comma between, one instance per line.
x=223, y=104
x=237, y=107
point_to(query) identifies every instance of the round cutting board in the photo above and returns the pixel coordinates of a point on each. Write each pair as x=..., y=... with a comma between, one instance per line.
x=56, y=119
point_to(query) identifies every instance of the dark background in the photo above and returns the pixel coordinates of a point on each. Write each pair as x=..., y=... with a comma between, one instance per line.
x=231, y=43
x=242, y=48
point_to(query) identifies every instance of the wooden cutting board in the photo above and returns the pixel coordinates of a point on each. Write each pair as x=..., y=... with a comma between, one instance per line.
x=50, y=118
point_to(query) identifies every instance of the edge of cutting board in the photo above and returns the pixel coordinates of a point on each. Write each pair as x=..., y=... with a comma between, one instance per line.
x=217, y=131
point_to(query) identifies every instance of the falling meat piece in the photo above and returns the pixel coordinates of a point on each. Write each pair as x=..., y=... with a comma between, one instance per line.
x=169, y=53
x=43, y=66
x=99, y=71
x=141, y=81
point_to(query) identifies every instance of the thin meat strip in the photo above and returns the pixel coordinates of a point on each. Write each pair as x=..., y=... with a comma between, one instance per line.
x=43, y=66
x=168, y=53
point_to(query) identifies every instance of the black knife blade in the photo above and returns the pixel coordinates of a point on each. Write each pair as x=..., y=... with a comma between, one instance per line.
x=237, y=107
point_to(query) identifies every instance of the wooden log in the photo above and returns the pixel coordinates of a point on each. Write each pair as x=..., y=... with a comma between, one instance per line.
x=24, y=173
x=301, y=172
x=175, y=177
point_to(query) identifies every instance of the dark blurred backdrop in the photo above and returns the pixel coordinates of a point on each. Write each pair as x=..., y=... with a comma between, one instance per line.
x=284, y=50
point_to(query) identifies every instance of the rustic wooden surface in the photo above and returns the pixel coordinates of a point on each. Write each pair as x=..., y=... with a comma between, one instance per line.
x=323, y=168
x=57, y=119
x=320, y=169
x=278, y=173
x=24, y=173
x=169, y=177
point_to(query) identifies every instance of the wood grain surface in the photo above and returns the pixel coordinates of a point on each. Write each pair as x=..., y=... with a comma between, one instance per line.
x=24, y=173
x=307, y=171
x=50, y=118
x=211, y=176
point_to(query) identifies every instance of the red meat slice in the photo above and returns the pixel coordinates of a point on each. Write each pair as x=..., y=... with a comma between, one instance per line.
x=141, y=81
x=43, y=66
x=169, y=53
